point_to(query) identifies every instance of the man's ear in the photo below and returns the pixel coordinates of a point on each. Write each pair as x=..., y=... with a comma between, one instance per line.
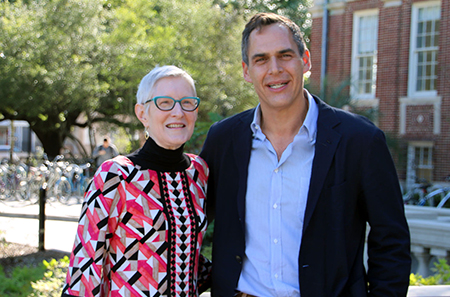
x=246, y=74
x=139, y=110
x=306, y=61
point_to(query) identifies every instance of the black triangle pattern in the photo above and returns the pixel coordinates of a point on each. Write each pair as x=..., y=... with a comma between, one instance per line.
x=174, y=238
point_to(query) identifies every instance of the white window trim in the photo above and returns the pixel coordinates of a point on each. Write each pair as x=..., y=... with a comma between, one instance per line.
x=410, y=171
x=354, y=67
x=412, y=60
x=408, y=101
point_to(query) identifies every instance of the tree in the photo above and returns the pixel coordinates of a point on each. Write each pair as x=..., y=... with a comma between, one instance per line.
x=197, y=36
x=296, y=10
x=61, y=59
x=51, y=56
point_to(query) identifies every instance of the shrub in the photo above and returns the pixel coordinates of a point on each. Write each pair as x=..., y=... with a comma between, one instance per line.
x=53, y=281
x=441, y=277
x=18, y=283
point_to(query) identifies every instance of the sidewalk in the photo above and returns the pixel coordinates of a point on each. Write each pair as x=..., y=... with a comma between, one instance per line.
x=19, y=223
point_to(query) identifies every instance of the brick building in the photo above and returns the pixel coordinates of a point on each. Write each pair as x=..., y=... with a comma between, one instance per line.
x=396, y=53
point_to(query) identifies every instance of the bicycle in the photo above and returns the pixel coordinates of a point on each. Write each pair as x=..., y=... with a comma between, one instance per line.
x=417, y=192
x=13, y=184
x=439, y=196
x=78, y=181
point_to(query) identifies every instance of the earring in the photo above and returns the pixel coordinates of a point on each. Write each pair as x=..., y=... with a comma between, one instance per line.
x=146, y=135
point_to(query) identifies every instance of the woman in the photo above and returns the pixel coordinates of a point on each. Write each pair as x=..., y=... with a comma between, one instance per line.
x=143, y=219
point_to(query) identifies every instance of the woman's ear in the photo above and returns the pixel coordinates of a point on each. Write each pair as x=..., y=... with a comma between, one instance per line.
x=141, y=114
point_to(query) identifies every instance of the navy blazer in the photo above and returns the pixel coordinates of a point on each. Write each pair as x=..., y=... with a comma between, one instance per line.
x=353, y=183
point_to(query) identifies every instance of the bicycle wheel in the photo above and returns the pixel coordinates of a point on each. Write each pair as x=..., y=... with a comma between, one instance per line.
x=21, y=190
x=19, y=182
x=63, y=191
x=445, y=202
x=3, y=180
x=413, y=196
x=432, y=198
x=33, y=191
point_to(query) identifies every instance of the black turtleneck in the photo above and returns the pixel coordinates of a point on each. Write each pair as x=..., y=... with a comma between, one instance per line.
x=152, y=156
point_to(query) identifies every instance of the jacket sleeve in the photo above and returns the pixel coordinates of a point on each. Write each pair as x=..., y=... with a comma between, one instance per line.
x=89, y=254
x=389, y=260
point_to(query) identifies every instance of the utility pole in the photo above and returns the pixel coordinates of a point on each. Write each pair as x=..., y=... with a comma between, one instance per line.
x=12, y=142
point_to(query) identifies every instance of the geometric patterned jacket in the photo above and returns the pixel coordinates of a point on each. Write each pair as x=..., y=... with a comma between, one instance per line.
x=140, y=232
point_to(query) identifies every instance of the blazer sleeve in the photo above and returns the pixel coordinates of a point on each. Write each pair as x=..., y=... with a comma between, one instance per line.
x=389, y=261
x=88, y=257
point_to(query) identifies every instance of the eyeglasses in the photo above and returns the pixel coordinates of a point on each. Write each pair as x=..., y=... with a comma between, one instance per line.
x=166, y=103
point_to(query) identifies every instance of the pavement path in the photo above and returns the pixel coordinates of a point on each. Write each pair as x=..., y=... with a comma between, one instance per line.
x=19, y=224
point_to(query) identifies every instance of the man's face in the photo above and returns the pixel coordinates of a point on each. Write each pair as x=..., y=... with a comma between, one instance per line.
x=275, y=67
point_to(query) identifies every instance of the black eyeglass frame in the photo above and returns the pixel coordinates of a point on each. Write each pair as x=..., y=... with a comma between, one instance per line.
x=154, y=99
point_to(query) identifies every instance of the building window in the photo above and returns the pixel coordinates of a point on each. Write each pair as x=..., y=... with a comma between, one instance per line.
x=420, y=162
x=364, y=61
x=425, y=23
x=4, y=135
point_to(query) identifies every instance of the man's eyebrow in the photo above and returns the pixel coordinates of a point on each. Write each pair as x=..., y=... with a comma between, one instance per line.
x=283, y=51
x=261, y=55
x=288, y=50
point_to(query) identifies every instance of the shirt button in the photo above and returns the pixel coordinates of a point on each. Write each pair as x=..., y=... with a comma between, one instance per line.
x=276, y=275
x=275, y=205
x=276, y=170
x=275, y=240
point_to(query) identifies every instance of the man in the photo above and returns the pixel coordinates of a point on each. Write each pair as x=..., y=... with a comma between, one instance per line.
x=294, y=182
x=104, y=152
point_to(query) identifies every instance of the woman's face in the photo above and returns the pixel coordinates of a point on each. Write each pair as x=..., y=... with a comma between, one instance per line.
x=169, y=129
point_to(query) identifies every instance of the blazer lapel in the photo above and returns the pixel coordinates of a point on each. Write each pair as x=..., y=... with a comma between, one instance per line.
x=242, y=146
x=326, y=143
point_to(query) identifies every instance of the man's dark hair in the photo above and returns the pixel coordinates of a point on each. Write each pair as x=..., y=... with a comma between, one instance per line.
x=263, y=19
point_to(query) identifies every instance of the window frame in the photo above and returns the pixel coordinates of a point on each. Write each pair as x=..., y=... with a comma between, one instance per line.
x=415, y=165
x=356, y=56
x=413, y=52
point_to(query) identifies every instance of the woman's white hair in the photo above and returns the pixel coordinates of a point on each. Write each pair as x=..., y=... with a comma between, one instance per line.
x=147, y=83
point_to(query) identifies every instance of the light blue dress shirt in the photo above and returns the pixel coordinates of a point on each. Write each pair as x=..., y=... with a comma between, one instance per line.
x=277, y=192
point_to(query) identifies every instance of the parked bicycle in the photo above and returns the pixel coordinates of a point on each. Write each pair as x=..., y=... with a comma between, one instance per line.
x=439, y=197
x=78, y=180
x=419, y=190
x=64, y=181
x=13, y=181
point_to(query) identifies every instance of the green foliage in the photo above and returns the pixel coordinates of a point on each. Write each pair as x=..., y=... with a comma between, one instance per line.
x=194, y=145
x=296, y=10
x=207, y=241
x=51, y=56
x=66, y=63
x=18, y=283
x=336, y=94
x=441, y=276
x=53, y=281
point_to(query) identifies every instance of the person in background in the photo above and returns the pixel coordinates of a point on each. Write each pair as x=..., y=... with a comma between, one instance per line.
x=294, y=182
x=143, y=218
x=105, y=151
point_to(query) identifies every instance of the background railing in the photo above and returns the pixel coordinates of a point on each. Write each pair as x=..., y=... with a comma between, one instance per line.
x=430, y=236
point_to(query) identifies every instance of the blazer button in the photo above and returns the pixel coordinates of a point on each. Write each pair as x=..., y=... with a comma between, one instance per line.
x=239, y=259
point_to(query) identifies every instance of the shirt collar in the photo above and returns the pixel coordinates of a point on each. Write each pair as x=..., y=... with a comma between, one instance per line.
x=309, y=124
